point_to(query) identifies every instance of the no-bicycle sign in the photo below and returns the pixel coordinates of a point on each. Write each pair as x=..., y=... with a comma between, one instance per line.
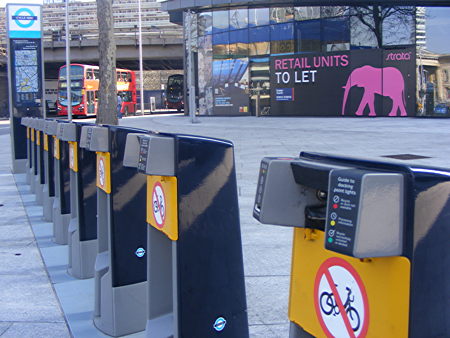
x=340, y=300
x=162, y=204
x=159, y=204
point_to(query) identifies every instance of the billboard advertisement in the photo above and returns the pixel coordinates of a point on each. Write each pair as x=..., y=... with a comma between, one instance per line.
x=372, y=82
x=230, y=83
x=26, y=72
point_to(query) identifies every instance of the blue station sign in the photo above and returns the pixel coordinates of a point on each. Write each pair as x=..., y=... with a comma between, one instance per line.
x=24, y=21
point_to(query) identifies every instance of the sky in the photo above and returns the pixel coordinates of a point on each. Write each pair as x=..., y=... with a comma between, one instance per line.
x=438, y=26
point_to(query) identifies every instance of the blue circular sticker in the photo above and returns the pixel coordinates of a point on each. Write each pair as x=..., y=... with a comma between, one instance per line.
x=19, y=16
x=219, y=324
x=140, y=252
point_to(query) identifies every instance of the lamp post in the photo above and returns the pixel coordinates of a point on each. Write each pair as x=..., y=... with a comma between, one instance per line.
x=69, y=93
x=141, y=68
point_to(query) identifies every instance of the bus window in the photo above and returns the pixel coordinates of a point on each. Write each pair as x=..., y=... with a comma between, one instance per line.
x=96, y=74
x=76, y=72
x=126, y=96
x=90, y=96
x=174, y=92
x=76, y=96
x=89, y=74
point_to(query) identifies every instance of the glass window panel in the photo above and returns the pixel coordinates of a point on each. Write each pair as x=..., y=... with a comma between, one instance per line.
x=239, y=36
x=259, y=40
x=283, y=31
x=335, y=34
x=259, y=48
x=361, y=34
x=239, y=42
x=221, y=38
x=221, y=44
x=332, y=11
x=282, y=38
x=260, y=82
x=259, y=34
x=220, y=51
x=239, y=49
x=281, y=14
x=220, y=21
x=204, y=23
x=238, y=18
x=433, y=80
x=258, y=16
x=398, y=26
x=306, y=13
x=308, y=36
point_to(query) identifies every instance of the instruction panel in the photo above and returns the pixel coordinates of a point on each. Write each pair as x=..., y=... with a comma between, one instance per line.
x=342, y=210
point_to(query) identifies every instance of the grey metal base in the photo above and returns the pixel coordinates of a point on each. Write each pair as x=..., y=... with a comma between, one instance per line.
x=39, y=191
x=19, y=166
x=160, y=327
x=82, y=254
x=28, y=175
x=162, y=294
x=32, y=182
x=296, y=331
x=60, y=224
x=121, y=310
x=47, y=205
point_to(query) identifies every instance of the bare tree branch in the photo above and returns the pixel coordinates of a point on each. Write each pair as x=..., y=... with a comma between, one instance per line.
x=384, y=20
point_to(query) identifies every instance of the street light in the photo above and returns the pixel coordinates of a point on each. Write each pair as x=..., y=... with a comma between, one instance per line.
x=69, y=93
x=141, y=68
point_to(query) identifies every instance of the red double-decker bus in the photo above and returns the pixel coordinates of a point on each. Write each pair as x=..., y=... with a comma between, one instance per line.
x=84, y=83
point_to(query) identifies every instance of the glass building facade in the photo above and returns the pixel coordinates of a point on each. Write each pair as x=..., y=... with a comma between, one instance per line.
x=235, y=46
x=255, y=61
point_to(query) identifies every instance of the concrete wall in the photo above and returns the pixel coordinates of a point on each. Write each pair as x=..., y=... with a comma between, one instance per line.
x=153, y=79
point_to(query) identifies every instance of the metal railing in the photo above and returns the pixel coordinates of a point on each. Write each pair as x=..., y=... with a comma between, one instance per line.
x=119, y=33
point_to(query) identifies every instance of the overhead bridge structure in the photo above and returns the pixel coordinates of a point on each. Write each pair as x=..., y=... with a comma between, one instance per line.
x=160, y=52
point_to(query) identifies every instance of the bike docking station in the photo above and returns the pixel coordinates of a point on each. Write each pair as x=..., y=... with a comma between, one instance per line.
x=49, y=168
x=120, y=265
x=194, y=266
x=61, y=203
x=40, y=175
x=26, y=122
x=33, y=156
x=82, y=228
x=370, y=250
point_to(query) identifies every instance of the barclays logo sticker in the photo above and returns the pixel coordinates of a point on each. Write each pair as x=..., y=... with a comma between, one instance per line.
x=140, y=252
x=219, y=324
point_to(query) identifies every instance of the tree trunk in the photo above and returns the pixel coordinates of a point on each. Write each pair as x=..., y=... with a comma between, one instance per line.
x=378, y=25
x=107, y=100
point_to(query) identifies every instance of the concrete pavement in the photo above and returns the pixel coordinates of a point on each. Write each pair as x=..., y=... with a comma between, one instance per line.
x=31, y=292
x=28, y=304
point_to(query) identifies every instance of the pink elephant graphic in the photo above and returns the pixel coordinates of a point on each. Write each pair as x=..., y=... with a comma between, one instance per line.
x=383, y=81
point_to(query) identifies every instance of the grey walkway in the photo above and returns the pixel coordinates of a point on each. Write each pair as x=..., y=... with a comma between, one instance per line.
x=28, y=304
x=28, y=301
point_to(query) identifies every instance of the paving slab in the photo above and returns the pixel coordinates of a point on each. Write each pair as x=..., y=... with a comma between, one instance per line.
x=29, y=306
